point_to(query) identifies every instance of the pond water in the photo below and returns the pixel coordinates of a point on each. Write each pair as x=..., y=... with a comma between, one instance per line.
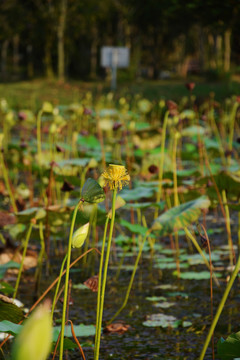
x=155, y=291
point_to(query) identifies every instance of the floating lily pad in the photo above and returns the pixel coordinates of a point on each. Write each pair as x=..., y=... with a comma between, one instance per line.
x=67, y=345
x=80, y=330
x=191, y=275
x=177, y=294
x=156, y=298
x=160, y=320
x=164, y=305
x=134, y=228
x=166, y=287
x=80, y=286
x=170, y=265
x=10, y=327
x=8, y=265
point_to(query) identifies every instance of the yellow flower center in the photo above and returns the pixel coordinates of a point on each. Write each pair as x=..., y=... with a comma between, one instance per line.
x=116, y=176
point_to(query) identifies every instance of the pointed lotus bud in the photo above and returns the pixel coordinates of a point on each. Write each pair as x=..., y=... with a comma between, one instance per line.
x=79, y=236
x=35, y=339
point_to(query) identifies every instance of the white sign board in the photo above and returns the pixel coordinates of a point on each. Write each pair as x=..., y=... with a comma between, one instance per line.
x=113, y=56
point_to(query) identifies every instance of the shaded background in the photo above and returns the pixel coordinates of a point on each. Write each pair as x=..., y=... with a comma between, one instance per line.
x=167, y=38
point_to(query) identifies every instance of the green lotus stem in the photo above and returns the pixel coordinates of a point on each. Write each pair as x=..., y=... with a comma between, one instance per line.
x=220, y=308
x=195, y=243
x=100, y=272
x=99, y=325
x=67, y=279
x=94, y=225
x=232, y=121
x=41, y=254
x=88, y=237
x=58, y=285
x=132, y=277
x=239, y=231
x=228, y=227
x=22, y=261
x=176, y=199
x=174, y=158
x=7, y=183
x=120, y=264
x=160, y=174
x=219, y=139
x=39, y=145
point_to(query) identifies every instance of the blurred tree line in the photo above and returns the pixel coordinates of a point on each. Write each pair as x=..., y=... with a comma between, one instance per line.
x=63, y=38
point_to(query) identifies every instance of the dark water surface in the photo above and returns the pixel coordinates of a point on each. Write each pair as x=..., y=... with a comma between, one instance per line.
x=141, y=342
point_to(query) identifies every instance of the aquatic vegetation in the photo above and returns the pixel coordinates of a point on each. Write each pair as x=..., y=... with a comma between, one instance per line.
x=136, y=190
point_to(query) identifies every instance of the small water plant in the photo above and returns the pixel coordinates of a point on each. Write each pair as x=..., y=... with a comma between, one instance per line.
x=183, y=158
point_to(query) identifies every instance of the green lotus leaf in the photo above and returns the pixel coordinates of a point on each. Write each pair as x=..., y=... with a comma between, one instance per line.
x=92, y=192
x=10, y=311
x=225, y=181
x=80, y=331
x=180, y=216
x=192, y=275
x=230, y=348
x=194, y=130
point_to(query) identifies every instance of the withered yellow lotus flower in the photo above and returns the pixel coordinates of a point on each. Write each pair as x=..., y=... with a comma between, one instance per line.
x=116, y=176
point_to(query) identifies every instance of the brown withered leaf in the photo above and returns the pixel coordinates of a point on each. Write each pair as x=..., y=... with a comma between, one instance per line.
x=10, y=254
x=6, y=218
x=119, y=328
x=92, y=283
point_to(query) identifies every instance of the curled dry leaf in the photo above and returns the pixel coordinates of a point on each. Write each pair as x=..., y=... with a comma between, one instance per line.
x=119, y=328
x=92, y=283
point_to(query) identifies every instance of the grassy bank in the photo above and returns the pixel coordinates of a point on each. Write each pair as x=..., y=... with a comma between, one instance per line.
x=31, y=94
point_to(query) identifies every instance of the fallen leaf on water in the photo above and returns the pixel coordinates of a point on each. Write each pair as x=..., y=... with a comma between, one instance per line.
x=92, y=283
x=119, y=328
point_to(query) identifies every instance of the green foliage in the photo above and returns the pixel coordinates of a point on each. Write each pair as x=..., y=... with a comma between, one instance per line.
x=10, y=312
x=180, y=216
x=8, y=265
x=229, y=349
x=192, y=275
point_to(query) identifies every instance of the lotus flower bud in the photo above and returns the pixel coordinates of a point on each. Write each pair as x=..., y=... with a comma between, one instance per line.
x=35, y=339
x=79, y=236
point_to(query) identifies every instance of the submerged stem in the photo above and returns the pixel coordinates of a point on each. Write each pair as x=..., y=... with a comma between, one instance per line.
x=132, y=277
